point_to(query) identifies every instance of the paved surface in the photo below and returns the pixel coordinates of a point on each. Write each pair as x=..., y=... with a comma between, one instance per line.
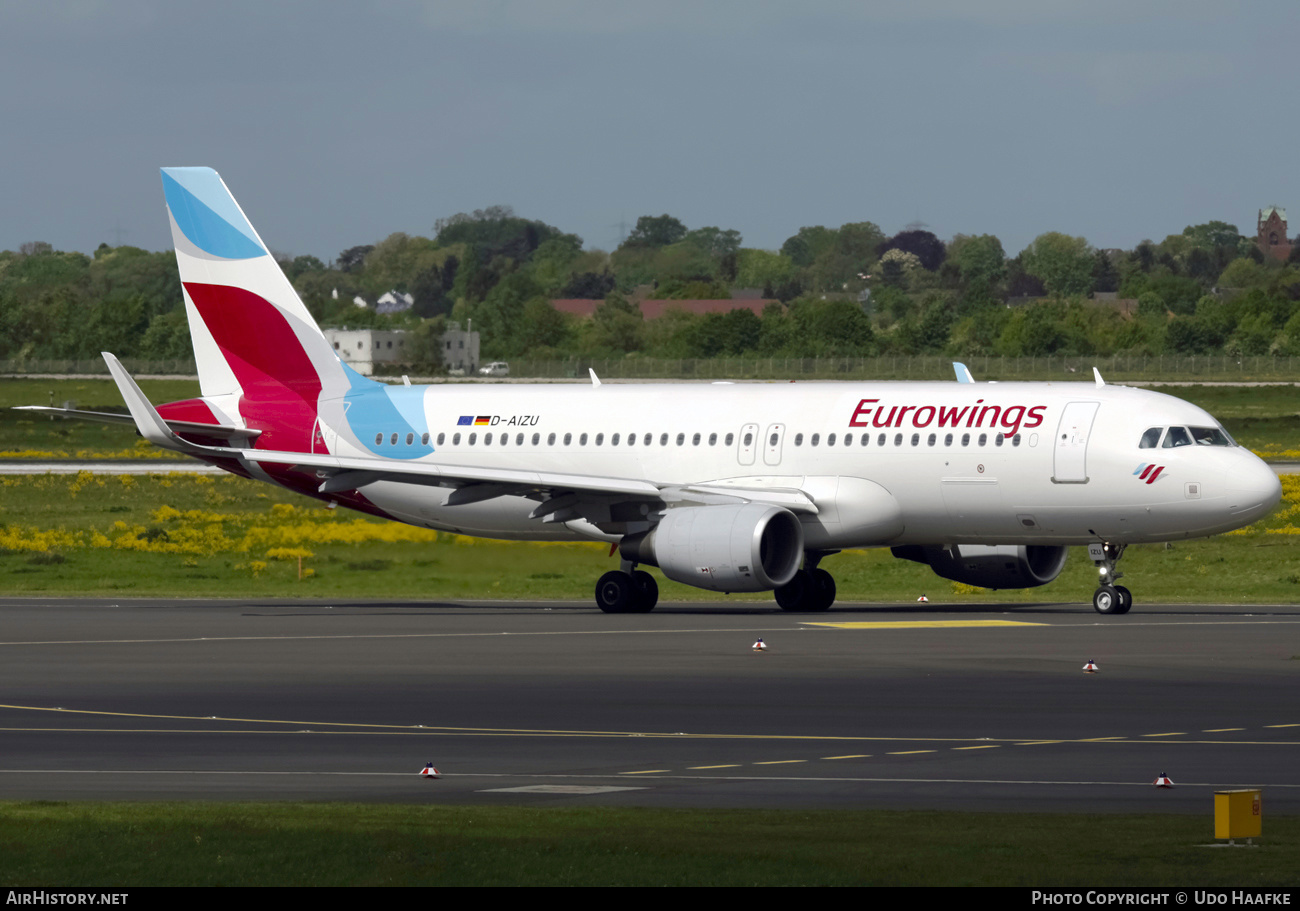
x=974, y=708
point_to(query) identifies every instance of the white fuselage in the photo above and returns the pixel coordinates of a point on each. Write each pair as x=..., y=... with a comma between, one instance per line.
x=885, y=463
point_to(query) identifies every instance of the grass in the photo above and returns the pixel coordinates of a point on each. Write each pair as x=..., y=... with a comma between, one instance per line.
x=242, y=844
x=223, y=536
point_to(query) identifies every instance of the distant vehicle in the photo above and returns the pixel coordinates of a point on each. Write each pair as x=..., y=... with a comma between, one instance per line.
x=496, y=368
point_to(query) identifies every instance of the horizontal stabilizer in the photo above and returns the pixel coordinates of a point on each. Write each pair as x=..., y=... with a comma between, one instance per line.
x=236, y=436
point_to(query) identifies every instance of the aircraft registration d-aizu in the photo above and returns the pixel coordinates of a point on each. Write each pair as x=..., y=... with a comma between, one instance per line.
x=727, y=487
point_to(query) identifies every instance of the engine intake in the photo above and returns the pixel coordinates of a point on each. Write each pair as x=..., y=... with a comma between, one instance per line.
x=747, y=548
x=990, y=566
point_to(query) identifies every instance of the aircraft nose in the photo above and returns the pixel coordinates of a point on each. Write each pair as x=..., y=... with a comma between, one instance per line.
x=1253, y=488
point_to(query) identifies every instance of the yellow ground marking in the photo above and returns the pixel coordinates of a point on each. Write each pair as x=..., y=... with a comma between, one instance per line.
x=857, y=756
x=1220, y=730
x=921, y=624
x=780, y=761
x=1168, y=734
x=986, y=746
x=733, y=765
x=211, y=723
x=910, y=752
x=647, y=772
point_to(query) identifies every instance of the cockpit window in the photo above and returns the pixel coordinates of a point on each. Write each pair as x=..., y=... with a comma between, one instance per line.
x=1177, y=436
x=1151, y=438
x=1211, y=436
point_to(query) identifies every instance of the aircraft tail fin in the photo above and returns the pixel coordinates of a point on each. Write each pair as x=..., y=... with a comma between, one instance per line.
x=251, y=332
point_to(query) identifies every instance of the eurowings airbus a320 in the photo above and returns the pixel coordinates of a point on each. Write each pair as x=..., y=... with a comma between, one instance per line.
x=732, y=488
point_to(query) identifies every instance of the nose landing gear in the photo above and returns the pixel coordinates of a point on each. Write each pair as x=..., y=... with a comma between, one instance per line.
x=1109, y=598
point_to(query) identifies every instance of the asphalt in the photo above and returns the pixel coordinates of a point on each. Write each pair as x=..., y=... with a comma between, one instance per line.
x=895, y=706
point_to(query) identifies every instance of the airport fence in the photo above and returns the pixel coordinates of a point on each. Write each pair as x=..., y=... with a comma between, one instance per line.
x=1166, y=368
x=1196, y=368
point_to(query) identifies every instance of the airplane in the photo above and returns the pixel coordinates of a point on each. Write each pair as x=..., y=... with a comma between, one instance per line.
x=726, y=487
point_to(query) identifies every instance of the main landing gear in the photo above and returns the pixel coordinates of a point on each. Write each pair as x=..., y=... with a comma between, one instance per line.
x=811, y=589
x=627, y=590
x=1109, y=598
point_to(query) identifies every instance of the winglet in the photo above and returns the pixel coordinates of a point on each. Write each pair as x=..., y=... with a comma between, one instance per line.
x=963, y=372
x=595, y=380
x=147, y=419
x=1096, y=375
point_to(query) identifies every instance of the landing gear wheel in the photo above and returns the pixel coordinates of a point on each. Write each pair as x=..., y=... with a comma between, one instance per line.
x=1106, y=600
x=647, y=592
x=616, y=593
x=1125, y=599
x=794, y=594
x=822, y=595
x=809, y=591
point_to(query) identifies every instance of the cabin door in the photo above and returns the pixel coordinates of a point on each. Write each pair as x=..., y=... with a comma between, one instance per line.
x=1070, y=462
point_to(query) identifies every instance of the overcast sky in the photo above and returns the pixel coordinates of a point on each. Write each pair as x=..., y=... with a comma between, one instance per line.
x=336, y=124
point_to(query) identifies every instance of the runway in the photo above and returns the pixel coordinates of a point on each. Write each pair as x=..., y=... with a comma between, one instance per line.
x=893, y=706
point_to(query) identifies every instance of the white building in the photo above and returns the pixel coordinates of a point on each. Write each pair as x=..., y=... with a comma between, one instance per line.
x=363, y=349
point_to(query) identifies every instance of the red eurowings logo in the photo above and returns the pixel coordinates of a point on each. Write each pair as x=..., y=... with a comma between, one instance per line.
x=1010, y=418
x=1148, y=471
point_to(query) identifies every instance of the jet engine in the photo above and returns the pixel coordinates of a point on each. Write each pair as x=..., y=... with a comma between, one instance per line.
x=990, y=566
x=747, y=548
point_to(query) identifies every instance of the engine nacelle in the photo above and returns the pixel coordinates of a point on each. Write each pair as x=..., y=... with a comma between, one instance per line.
x=749, y=548
x=990, y=566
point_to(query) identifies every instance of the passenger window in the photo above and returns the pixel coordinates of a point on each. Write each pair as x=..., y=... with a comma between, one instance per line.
x=947, y=440
x=728, y=439
x=410, y=438
x=916, y=438
x=472, y=438
x=550, y=440
x=848, y=439
x=519, y=439
x=997, y=440
x=984, y=438
x=455, y=440
x=965, y=439
x=681, y=438
x=1150, y=438
x=631, y=439
x=537, y=438
x=816, y=438
x=1177, y=436
x=600, y=439
x=505, y=438
x=648, y=439
x=613, y=441
x=663, y=439
x=798, y=439
x=441, y=437
x=568, y=439
x=749, y=439
x=394, y=440
x=424, y=439
x=487, y=439
x=930, y=441
x=379, y=439
x=880, y=441
x=1015, y=440
x=898, y=439
x=582, y=440
x=830, y=440
x=713, y=439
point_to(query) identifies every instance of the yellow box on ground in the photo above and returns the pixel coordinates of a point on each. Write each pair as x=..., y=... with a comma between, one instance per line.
x=1237, y=814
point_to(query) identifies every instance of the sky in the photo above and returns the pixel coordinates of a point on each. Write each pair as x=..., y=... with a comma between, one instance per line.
x=337, y=124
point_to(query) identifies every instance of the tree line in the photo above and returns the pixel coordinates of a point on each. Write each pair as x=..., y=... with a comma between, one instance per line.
x=846, y=291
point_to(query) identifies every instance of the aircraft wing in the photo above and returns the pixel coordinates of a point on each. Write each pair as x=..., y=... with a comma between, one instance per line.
x=564, y=496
